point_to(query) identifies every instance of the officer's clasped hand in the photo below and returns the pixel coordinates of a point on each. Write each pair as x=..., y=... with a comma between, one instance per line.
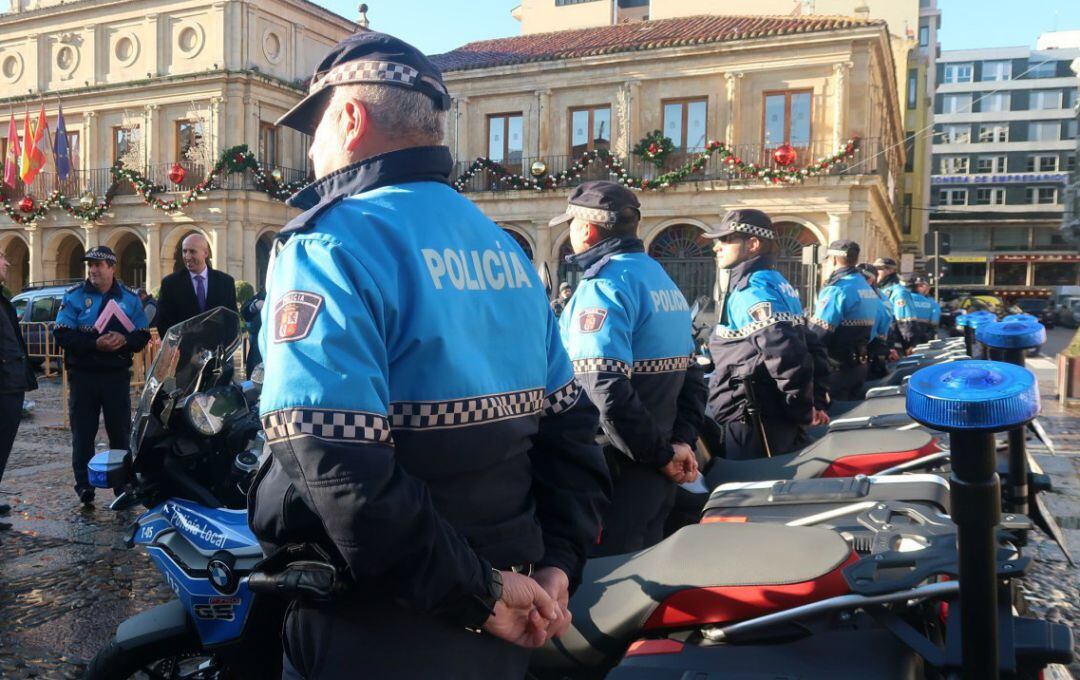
x=524, y=614
x=110, y=342
x=683, y=467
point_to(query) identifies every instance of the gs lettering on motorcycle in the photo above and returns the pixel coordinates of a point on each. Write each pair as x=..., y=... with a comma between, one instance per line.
x=476, y=269
x=294, y=315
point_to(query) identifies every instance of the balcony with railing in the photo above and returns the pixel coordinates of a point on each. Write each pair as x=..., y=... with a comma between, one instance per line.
x=869, y=158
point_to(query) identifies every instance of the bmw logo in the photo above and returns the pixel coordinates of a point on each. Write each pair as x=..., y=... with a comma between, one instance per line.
x=220, y=571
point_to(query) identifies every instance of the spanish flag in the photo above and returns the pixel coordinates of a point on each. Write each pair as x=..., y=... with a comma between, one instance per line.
x=34, y=155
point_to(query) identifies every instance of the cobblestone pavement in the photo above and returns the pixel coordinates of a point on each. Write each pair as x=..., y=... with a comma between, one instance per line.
x=67, y=581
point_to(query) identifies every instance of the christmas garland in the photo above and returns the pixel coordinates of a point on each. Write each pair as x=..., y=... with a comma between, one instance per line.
x=725, y=154
x=654, y=148
x=233, y=160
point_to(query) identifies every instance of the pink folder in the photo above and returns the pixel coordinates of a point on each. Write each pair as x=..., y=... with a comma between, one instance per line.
x=109, y=313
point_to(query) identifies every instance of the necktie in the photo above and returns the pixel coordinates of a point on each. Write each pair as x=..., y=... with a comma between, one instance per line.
x=200, y=292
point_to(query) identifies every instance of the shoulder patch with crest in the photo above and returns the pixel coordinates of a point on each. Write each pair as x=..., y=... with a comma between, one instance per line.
x=761, y=311
x=901, y=302
x=294, y=315
x=591, y=320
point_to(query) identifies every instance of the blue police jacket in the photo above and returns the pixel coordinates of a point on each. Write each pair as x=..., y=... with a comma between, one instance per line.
x=905, y=322
x=628, y=332
x=844, y=316
x=75, y=331
x=761, y=336
x=882, y=318
x=422, y=415
x=935, y=312
x=924, y=308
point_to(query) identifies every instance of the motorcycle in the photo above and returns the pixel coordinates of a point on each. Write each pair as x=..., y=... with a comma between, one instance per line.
x=194, y=449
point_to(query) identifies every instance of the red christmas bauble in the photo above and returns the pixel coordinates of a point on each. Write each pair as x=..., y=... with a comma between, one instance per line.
x=653, y=148
x=784, y=155
x=27, y=204
x=177, y=173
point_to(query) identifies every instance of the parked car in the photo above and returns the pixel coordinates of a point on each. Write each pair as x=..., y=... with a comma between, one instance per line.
x=1068, y=312
x=975, y=303
x=37, y=307
x=1040, y=308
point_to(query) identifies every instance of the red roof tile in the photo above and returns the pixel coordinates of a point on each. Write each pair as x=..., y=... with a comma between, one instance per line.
x=629, y=37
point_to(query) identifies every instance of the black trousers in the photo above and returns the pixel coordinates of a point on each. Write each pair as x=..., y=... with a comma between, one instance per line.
x=92, y=393
x=10, y=415
x=846, y=383
x=379, y=639
x=641, y=500
x=742, y=441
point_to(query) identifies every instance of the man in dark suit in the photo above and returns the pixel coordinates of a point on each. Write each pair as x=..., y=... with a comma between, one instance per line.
x=195, y=289
x=16, y=378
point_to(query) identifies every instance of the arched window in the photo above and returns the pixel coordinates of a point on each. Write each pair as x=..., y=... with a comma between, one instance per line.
x=687, y=256
x=521, y=241
x=792, y=238
x=131, y=261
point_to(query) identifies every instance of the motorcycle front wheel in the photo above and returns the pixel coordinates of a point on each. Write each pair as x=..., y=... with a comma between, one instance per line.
x=180, y=657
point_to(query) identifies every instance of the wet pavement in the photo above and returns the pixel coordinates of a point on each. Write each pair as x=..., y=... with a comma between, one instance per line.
x=67, y=581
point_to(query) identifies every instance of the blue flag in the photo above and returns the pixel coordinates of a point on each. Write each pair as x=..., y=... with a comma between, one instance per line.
x=61, y=153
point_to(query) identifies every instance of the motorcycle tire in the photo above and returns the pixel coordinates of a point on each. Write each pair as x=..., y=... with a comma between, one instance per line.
x=116, y=663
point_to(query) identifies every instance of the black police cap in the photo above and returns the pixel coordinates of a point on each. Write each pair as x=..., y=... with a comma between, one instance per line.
x=100, y=254
x=748, y=221
x=885, y=262
x=844, y=247
x=600, y=202
x=367, y=57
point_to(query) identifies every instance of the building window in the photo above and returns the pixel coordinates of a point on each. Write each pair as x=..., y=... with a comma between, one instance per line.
x=990, y=196
x=912, y=87
x=969, y=238
x=1055, y=273
x=590, y=130
x=189, y=136
x=905, y=214
x=126, y=146
x=995, y=102
x=955, y=134
x=924, y=36
x=505, y=140
x=909, y=152
x=1042, y=163
x=685, y=123
x=1070, y=163
x=958, y=73
x=1010, y=273
x=1043, y=69
x=956, y=103
x=952, y=197
x=989, y=164
x=1070, y=129
x=1010, y=238
x=954, y=165
x=967, y=273
x=1052, y=239
x=563, y=3
x=1045, y=99
x=787, y=118
x=74, y=150
x=1044, y=131
x=992, y=132
x=996, y=70
x=1042, y=195
x=1070, y=98
x=268, y=143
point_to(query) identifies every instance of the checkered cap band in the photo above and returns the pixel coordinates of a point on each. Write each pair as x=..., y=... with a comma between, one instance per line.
x=601, y=365
x=562, y=399
x=338, y=426
x=838, y=252
x=595, y=215
x=365, y=72
x=414, y=415
x=752, y=230
x=749, y=329
x=665, y=365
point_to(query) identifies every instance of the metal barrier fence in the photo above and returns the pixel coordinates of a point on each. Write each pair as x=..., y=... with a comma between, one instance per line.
x=40, y=344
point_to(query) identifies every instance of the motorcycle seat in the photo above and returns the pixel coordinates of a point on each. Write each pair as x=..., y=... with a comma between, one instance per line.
x=838, y=454
x=701, y=574
x=872, y=407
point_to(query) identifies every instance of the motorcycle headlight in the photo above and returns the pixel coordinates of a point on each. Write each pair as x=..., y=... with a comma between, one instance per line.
x=200, y=413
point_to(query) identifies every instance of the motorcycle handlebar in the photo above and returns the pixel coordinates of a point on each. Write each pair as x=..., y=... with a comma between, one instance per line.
x=302, y=580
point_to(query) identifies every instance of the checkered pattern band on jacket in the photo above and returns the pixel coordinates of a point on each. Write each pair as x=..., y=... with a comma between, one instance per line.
x=352, y=427
x=414, y=415
x=601, y=365
x=665, y=365
x=820, y=323
x=562, y=399
x=751, y=328
x=365, y=72
x=857, y=322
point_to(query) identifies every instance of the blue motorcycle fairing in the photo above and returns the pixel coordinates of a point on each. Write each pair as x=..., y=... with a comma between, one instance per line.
x=208, y=529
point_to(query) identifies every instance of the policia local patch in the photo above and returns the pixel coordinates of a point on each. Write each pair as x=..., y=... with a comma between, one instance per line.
x=591, y=320
x=294, y=315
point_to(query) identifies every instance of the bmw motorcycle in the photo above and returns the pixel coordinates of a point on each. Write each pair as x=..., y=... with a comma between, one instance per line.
x=195, y=446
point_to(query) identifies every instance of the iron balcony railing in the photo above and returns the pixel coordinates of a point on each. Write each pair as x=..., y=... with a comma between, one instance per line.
x=868, y=159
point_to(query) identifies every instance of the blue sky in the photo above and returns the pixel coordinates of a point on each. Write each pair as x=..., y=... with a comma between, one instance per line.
x=440, y=25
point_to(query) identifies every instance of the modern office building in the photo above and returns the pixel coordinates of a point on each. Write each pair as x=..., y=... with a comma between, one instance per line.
x=1005, y=143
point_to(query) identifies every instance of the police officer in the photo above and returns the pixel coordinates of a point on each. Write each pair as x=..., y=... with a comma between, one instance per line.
x=98, y=362
x=252, y=314
x=628, y=332
x=844, y=316
x=922, y=287
x=904, y=332
x=924, y=310
x=559, y=303
x=879, y=350
x=423, y=420
x=759, y=345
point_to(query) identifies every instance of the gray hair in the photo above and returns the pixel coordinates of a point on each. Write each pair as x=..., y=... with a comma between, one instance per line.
x=398, y=111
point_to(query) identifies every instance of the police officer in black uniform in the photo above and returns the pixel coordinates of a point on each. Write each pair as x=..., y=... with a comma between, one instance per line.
x=98, y=361
x=763, y=383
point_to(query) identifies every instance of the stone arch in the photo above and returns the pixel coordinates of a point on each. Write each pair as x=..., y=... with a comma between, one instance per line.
x=819, y=234
x=564, y=273
x=172, y=245
x=17, y=251
x=686, y=255
x=522, y=239
x=131, y=258
x=264, y=246
x=792, y=237
x=650, y=233
x=65, y=248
